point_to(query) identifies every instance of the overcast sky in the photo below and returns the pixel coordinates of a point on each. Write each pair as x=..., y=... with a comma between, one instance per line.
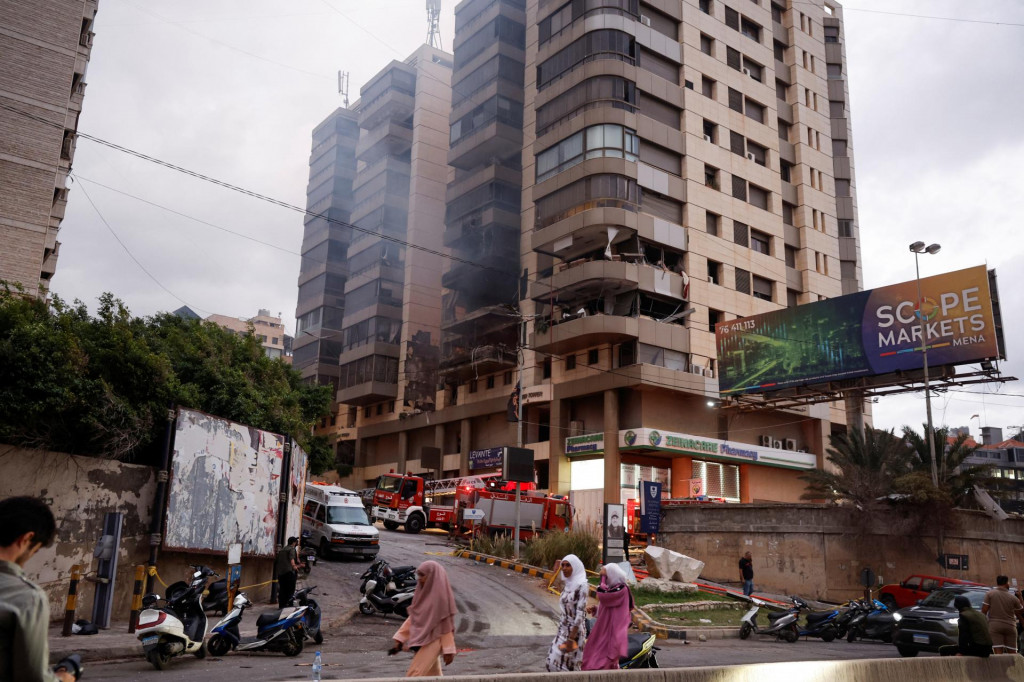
x=233, y=89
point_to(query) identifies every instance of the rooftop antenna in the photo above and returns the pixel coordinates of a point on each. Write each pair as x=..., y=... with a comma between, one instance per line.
x=343, y=87
x=433, y=31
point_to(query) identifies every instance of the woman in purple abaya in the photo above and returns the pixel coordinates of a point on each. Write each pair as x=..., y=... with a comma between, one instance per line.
x=608, y=641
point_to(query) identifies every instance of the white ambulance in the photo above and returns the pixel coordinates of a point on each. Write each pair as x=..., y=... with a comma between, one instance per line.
x=336, y=523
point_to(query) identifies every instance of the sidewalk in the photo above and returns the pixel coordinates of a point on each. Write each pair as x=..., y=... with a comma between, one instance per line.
x=117, y=642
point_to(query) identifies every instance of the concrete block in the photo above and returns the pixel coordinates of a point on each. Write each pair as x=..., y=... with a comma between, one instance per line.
x=668, y=565
x=668, y=585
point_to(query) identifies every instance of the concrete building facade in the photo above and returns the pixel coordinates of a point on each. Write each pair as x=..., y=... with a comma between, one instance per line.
x=682, y=165
x=268, y=330
x=45, y=46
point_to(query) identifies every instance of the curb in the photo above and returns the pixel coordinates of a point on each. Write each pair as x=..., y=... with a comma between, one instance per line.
x=101, y=654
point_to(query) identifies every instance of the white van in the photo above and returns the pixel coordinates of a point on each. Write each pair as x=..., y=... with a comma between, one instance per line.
x=336, y=522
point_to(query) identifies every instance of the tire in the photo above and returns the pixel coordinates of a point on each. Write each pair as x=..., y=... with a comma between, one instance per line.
x=652, y=662
x=791, y=634
x=218, y=646
x=391, y=525
x=200, y=653
x=745, y=630
x=906, y=651
x=324, y=548
x=414, y=524
x=828, y=634
x=851, y=636
x=889, y=601
x=159, y=660
x=294, y=645
x=365, y=608
x=318, y=637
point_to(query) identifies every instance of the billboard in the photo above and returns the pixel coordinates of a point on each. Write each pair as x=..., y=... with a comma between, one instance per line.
x=868, y=333
x=224, y=486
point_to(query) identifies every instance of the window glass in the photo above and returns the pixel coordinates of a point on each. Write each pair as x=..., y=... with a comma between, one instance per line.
x=608, y=140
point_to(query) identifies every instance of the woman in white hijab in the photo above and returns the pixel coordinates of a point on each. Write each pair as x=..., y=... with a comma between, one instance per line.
x=566, y=651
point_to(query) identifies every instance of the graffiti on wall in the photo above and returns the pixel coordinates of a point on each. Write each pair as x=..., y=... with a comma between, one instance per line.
x=224, y=486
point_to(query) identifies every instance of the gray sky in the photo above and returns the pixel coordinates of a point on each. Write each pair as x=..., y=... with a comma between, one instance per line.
x=233, y=89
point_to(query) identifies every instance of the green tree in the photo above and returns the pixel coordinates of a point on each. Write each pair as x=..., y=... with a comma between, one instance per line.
x=868, y=467
x=956, y=479
x=101, y=385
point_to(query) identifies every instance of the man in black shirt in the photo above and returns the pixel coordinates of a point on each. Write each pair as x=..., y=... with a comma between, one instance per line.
x=974, y=638
x=286, y=569
x=747, y=574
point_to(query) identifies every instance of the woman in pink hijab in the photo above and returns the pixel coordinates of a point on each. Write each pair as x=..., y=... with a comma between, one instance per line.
x=608, y=641
x=429, y=631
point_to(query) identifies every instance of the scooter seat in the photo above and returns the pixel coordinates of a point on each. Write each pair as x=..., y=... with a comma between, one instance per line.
x=818, y=616
x=268, y=618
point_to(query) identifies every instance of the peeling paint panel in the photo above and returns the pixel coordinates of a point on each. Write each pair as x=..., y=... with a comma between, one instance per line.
x=224, y=486
x=297, y=491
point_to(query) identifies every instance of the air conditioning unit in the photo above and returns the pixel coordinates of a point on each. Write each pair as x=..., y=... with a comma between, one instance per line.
x=576, y=428
x=802, y=450
x=645, y=20
x=709, y=373
x=777, y=444
x=750, y=155
x=699, y=371
x=746, y=72
x=707, y=138
x=791, y=444
x=766, y=441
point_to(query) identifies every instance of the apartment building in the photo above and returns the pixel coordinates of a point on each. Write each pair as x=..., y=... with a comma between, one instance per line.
x=268, y=330
x=682, y=164
x=45, y=46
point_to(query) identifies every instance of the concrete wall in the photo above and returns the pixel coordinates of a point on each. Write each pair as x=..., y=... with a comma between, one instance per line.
x=80, y=490
x=819, y=551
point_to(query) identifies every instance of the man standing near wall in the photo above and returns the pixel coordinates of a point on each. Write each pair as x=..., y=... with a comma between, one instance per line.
x=747, y=574
x=286, y=569
x=1003, y=610
x=26, y=525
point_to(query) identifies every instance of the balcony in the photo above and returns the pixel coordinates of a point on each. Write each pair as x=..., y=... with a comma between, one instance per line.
x=391, y=103
x=481, y=321
x=367, y=393
x=494, y=140
x=387, y=166
x=577, y=333
x=584, y=232
x=465, y=363
x=582, y=280
x=389, y=138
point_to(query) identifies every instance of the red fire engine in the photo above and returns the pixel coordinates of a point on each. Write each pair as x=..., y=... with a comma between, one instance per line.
x=495, y=507
x=416, y=503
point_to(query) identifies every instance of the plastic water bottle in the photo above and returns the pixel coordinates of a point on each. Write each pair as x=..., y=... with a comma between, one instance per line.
x=318, y=664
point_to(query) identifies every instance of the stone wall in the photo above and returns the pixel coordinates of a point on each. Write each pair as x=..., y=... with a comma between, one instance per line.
x=819, y=551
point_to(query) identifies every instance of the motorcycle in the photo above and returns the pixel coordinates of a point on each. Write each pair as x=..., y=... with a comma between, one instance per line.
x=641, y=652
x=397, y=578
x=72, y=665
x=216, y=598
x=781, y=624
x=277, y=630
x=377, y=598
x=312, y=615
x=178, y=627
x=873, y=621
x=818, y=623
x=306, y=555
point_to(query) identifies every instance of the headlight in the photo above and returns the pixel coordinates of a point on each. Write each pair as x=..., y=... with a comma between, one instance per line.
x=954, y=621
x=336, y=536
x=897, y=617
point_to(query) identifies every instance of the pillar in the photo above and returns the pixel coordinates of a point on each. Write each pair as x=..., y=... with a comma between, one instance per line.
x=745, y=471
x=854, y=403
x=612, y=457
x=558, y=463
x=403, y=452
x=465, y=434
x=439, y=444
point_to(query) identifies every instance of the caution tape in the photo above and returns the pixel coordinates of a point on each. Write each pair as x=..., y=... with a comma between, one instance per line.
x=249, y=587
x=151, y=570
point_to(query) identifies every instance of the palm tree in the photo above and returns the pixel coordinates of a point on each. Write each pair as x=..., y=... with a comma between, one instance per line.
x=956, y=479
x=869, y=466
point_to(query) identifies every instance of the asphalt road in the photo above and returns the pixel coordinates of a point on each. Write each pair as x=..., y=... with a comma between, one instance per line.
x=505, y=625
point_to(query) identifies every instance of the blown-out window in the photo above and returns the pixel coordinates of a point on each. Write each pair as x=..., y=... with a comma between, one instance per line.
x=593, y=191
x=599, y=44
x=607, y=140
x=719, y=480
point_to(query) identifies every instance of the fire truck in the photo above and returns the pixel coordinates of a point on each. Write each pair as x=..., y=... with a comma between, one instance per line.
x=417, y=503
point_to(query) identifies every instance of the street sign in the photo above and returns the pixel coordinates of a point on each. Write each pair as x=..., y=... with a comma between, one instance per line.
x=867, y=577
x=954, y=562
x=650, y=507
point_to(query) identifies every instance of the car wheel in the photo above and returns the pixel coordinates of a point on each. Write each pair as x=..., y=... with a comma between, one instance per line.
x=414, y=524
x=791, y=634
x=828, y=634
x=324, y=549
x=391, y=525
x=745, y=630
x=906, y=651
x=889, y=601
x=218, y=646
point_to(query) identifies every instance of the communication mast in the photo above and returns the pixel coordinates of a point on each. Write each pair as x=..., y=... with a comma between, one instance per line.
x=343, y=87
x=433, y=31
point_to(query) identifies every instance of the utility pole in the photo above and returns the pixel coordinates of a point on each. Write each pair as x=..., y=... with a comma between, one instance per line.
x=519, y=421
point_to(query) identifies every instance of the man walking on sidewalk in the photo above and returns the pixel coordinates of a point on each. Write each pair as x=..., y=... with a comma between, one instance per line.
x=747, y=574
x=26, y=524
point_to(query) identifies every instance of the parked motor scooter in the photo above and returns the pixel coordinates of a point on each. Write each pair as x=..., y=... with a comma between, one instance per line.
x=641, y=652
x=396, y=578
x=179, y=626
x=312, y=616
x=873, y=621
x=378, y=599
x=216, y=599
x=306, y=555
x=817, y=623
x=277, y=630
x=781, y=624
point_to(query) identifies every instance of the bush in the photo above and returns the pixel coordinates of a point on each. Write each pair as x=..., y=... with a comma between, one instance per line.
x=500, y=545
x=550, y=547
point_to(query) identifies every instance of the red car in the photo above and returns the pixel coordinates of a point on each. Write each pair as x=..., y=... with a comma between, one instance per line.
x=907, y=592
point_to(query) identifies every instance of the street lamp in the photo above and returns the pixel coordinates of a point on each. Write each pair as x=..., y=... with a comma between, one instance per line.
x=919, y=248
